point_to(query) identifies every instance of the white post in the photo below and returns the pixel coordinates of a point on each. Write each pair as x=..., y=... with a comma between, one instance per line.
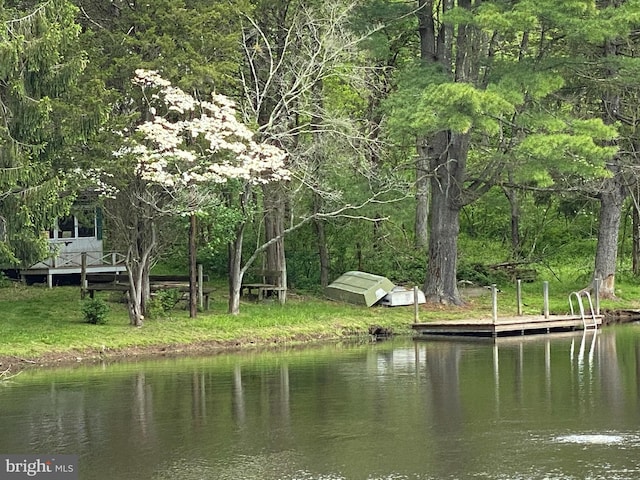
x=415, y=305
x=545, y=293
x=519, y=296
x=494, y=302
x=596, y=294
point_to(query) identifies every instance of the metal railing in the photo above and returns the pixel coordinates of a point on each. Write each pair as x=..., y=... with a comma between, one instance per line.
x=579, y=295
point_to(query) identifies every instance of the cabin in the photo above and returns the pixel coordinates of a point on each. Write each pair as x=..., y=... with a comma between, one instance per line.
x=74, y=240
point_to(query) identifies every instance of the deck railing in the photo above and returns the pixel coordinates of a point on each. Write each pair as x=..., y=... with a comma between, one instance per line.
x=74, y=259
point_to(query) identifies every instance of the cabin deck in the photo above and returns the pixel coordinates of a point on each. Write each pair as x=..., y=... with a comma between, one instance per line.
x=69, y=263
x=517, y=325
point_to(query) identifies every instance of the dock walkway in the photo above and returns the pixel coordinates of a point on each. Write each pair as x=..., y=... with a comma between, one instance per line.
x=517, y=325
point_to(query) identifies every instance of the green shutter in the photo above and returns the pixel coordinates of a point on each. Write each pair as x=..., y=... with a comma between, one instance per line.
x=98, y=223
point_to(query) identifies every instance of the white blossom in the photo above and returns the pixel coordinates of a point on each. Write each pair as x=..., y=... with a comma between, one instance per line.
x=149, y=78
x=187, y=141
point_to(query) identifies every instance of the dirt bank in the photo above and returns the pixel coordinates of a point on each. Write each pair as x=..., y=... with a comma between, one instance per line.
x=52, y=359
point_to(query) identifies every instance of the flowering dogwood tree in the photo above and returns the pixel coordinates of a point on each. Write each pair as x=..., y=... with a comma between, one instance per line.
x=187, y=142
x=183, y=144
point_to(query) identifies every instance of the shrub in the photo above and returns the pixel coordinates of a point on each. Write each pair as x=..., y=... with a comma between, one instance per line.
x=95, y=311
x=163, y=302
x=168, y=298
x=5, y=281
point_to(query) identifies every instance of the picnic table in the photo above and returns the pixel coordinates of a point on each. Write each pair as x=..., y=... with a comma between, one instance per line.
x=266, y=282
x=120, y=283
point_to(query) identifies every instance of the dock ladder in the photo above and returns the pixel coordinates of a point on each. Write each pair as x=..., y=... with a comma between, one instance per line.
x=579, y=295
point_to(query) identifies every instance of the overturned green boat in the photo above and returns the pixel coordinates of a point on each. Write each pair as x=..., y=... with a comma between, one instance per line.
x=359, y=288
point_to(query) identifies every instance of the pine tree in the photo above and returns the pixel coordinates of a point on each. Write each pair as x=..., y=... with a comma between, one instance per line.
x=39, y=65
x=487, y=99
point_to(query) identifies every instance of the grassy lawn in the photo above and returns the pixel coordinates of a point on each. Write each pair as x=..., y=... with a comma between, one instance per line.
x=37, y=321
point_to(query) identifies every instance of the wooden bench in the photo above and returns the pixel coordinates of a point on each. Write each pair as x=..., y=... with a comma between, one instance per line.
x=157, y=283
x=264, y=285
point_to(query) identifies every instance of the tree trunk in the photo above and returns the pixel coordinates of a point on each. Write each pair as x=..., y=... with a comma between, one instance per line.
x=138, y=262
x=611, y=195
x=635, y=253
x=193, y=269
x=449, y=153
x=459, y=56
x=135, y=302
x=422, y=197
x=429, y=53
x=611, y=202
x=323, y=251
x=441, y=286
x=512, y=197
x=274, y=225
x=235, y=271
x=317, y=160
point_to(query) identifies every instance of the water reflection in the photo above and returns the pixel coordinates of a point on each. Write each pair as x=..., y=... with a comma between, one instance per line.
x=546, y=407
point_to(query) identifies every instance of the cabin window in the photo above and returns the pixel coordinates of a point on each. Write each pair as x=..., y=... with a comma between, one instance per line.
x=86, y=221
x=82, y=224
x=67, y=227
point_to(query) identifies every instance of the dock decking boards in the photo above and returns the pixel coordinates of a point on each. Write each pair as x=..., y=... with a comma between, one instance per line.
x=523, y=325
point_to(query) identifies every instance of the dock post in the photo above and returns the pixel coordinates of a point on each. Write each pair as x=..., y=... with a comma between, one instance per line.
x=494, y=302
x=596, y=294
x=519, y=296
x=415, y=304
x=545, y=293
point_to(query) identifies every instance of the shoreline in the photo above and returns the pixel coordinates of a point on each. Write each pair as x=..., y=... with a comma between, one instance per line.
x=14, y=364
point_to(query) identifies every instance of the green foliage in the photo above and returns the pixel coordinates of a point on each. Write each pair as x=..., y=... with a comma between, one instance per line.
x=532, y=109
x=218, y=225
x=163, y=302
x=95, y=311
x=195, y=44
x=405, y=106
x=481, y=274
x=459, y=107
x=387, y=27
x=41, y=65
x=5, y=281
x=524, y=81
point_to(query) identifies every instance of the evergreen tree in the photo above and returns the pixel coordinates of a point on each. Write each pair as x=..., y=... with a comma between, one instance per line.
x=486, y=99
x=40, y=63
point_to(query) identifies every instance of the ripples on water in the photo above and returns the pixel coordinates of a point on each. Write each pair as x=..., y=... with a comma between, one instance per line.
x=446, y=410
x=598, y=439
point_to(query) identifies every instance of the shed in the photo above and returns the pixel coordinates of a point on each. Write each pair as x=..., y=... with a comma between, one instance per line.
x=360, y=288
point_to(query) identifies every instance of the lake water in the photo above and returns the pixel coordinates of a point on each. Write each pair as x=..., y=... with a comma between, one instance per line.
x=553, y=407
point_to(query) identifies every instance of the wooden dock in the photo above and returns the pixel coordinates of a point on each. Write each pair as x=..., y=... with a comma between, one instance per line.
x=506, y=326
